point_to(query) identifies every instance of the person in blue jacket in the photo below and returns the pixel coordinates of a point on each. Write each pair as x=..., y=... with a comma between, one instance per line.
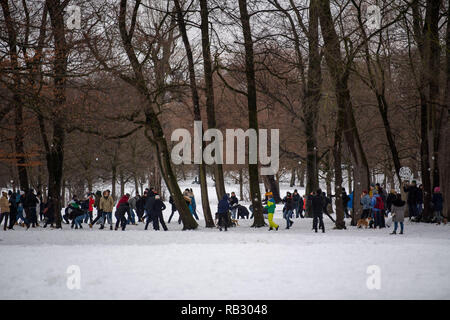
x=222, y=210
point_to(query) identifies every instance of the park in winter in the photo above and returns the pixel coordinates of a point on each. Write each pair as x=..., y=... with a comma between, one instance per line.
x=224, y=149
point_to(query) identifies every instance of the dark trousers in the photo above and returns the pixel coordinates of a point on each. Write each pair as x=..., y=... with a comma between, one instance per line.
x=120, y=219
x=223, y=217
x=149, y=219
x=12, y=219
x=378, y=217
x=99, y=215
x=413, y=211
x=140, y=213
x=171, y=215
x=318, y=218
x=157, y=219
x=31, y=217
x=6, y=216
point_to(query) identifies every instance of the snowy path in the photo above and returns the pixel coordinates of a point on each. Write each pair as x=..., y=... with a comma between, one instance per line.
x=244, y=263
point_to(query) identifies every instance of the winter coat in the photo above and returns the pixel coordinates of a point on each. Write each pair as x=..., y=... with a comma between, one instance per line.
x=158, y=207
x=270, y=206
x=223, y=206
x=4, y=204
x=30, y=200
x=296, y=200
x=437, y=201
x=366, y=202
x=233, y=200
x=132, y=202
x=317, y=204
x=398, y=211
x=350, y=201
x=149, y=203
x=124, y=199
x=140, y=203
x=289, y=204
x=122, y=209
x=91, y=204
x=345, y=199
x=374, y=202
x=98, y=196
x=106, y=204
x=413, y=194
x=390, y=198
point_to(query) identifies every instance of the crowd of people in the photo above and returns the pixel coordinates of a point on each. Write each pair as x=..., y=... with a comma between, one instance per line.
x=27, y=209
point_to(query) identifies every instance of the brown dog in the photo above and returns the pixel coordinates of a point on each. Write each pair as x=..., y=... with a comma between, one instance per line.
x=362, y=222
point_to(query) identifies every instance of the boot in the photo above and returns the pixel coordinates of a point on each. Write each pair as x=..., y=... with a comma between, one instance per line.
x=270, y=229
x=110, y=227
x=394, y=232
x=401, y=232
x=90, y=225
x=115, y=228
x=277, y=228
x=315, y=230
x=101, y=227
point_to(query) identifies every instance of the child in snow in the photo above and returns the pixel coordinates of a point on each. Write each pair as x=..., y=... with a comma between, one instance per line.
x=271, y=210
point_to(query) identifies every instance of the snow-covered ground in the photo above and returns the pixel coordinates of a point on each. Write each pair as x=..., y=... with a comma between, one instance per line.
x=243, y=263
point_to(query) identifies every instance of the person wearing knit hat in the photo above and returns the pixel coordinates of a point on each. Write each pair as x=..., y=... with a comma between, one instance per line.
x=438, y=204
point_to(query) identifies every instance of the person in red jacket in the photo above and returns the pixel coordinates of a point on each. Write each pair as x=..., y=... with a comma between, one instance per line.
x=124, y=199
x=91, y=202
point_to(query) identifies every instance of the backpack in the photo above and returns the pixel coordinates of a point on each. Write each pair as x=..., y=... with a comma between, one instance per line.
x=379, y=203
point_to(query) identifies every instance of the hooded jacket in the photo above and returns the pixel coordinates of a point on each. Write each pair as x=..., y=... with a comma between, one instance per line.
x=106, y=204
x=223, y=205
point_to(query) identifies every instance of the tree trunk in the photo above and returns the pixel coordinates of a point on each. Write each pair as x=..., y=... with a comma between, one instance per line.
x=292, y=182
x=209, y=91
x=444, y=143
x=55, y=152
x=255, y=194
x=340, y=73
x=209, y=222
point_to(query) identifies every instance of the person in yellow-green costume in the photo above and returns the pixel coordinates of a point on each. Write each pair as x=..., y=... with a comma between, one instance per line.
x=271, y=210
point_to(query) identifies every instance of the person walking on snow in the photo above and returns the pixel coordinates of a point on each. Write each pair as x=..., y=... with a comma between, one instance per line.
x=157, y=216
x=223, y=207
x=438, y=204
x=317, y=210
x=106, y=206
x=288, y=209
x=398, y=213
x=270, y=206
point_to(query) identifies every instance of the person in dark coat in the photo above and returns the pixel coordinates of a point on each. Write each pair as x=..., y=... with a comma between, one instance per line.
x=122, y=209
x=390, y=198
x=174, y=209
x=13, y=209
x=140, y=206
x=413, y=198
x=149, y=206
x=297, y=201
x=234, y=202
x=29, y=206
x=317, y=210
x=98, y=196
x=438, y=204
x=49, y=213
x=222, y=210
x=288, y=209
x=156, y=212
